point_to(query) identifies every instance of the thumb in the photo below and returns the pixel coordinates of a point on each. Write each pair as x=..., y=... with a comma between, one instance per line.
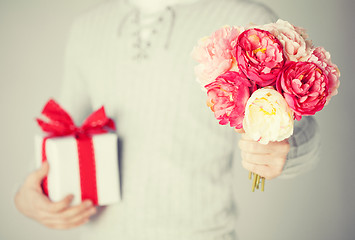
x=42, y=172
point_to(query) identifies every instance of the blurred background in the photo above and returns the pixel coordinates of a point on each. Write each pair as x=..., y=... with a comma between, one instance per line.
x=316, y=205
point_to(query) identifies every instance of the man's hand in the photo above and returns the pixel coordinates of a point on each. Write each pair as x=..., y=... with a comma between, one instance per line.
x=31, y=201
x=266, y=160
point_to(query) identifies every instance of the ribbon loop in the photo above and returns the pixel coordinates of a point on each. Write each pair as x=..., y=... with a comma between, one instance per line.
x=60, y=123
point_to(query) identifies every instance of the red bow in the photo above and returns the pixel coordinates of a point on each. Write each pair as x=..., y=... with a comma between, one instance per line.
x=61, y=124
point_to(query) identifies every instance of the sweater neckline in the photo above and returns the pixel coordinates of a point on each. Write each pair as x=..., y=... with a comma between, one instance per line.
x=145, y=33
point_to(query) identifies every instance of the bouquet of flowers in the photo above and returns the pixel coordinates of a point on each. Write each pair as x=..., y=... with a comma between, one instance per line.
x=262, y=78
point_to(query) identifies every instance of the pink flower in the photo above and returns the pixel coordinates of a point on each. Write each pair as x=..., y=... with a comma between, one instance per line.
x=322, y=58
x=259, y=56
x=293, y=39
x=304, y=86
x=227, y=97
x=215, y=54
x=301, y=31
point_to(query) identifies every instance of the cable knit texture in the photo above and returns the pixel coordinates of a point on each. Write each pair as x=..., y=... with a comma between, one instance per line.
x=175, y=158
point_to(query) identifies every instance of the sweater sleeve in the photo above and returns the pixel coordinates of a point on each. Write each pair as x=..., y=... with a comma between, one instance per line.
x=74, y=95
x=304, y=148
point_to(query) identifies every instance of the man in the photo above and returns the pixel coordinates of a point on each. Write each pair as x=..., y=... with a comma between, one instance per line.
x=134, y=58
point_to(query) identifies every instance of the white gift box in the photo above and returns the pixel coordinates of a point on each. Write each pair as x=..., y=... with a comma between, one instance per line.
x=64, y=175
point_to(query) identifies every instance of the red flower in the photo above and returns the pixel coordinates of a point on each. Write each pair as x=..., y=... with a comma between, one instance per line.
x=227, y=97
x=260, y=56
x=304, y=86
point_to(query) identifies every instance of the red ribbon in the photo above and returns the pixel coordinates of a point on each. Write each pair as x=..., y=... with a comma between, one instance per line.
x=61, y=124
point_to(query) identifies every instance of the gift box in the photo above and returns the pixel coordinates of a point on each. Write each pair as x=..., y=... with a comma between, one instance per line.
x=83, y=161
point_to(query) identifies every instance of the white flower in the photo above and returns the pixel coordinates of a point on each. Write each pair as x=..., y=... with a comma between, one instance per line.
x=267, y=116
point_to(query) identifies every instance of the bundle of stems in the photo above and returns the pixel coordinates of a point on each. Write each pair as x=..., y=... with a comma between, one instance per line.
x=256, y=181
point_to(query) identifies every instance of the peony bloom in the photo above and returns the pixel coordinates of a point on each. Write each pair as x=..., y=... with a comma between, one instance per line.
x=215, y=54
x=293, y=39
x=304, y=86
x=259, y=56
x=267, y=116
x=227, y=97
x=322, y=58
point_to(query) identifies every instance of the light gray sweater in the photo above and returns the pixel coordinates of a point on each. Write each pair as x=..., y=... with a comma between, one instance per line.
x=175, y=158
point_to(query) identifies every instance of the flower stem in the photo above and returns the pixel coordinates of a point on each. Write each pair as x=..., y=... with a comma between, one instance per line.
x=254, y=182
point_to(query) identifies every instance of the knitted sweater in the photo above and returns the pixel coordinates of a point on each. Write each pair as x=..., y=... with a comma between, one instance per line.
x=175, y=158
